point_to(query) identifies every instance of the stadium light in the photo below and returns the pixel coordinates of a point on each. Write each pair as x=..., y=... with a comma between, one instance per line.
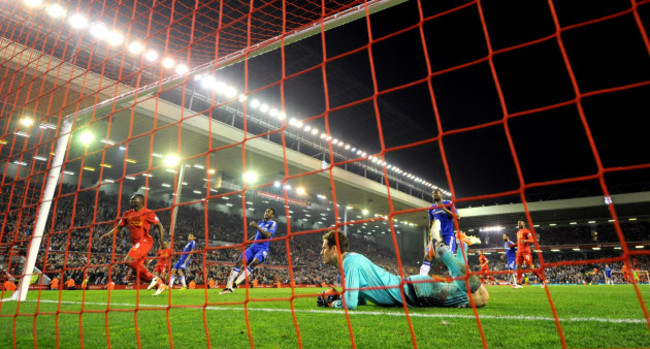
x=78, y=21
x=171, y=160
x=231, y=92
x=115, y=38
x=182, y=69
x=365, y=212
x=276, y=184
x=151, y=55
x=86, y=137
x=255, y=103
x=282, y=116
x=264, y=108
x=208, y=81
x=250, y=177
x=168, y=63
x=99, y=30
x=136, y=47
x=27, y=121
x=301, y=191
x=55, y=11
x=33, y=3
x=314, y=131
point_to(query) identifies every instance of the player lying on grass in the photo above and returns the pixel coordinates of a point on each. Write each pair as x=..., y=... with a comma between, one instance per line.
x=365, y=281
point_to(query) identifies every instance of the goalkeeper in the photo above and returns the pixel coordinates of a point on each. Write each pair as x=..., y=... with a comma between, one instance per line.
x=365, y=281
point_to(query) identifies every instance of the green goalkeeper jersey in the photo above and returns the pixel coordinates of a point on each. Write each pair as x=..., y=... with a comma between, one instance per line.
x=366, y=281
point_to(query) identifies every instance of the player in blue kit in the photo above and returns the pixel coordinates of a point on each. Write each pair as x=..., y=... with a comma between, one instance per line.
x=365, y=281
x=608, y=275
x=257, y=251
x=511, y=255
x=182, y=264
x=441, y=228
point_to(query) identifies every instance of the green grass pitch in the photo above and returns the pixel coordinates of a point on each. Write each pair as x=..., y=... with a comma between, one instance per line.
x=590, y=316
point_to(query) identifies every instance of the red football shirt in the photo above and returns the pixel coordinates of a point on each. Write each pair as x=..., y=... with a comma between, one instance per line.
x=482, y=259
x=139, y=223
x=523, y=234
x=164, y=256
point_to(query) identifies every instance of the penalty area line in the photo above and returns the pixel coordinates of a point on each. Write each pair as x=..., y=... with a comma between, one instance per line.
x=368, y=313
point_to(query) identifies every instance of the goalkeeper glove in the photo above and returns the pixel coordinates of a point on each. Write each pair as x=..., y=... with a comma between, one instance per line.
x=325, y=299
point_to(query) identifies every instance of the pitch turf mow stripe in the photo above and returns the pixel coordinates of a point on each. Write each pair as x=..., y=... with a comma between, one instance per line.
x=371, y=313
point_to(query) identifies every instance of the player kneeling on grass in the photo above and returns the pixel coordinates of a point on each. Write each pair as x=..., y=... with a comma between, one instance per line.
x=180, y=266
x=365, y=281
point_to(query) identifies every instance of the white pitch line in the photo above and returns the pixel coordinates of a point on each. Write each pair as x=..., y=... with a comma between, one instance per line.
x=371, y=313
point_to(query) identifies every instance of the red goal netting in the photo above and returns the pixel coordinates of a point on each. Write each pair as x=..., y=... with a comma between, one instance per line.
x=338, y=115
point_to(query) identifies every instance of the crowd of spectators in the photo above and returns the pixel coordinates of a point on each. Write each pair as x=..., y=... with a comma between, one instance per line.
x=601, y=233
x=71, y=246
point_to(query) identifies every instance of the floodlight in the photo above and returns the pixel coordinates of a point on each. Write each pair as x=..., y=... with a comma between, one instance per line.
x=55, y=11
x=151, y=55
x=78, y=21
x=136, y=47
x=86, y=137
x=33, y=3
x=99, y=30
x=171, y=160
x=182, y=69
x=168, y=63
x=27, y=121
x=250, y=177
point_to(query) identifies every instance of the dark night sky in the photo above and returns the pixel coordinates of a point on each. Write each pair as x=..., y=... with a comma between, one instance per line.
x=550, y=144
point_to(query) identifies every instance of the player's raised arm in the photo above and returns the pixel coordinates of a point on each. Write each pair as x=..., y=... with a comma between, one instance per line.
x=267, y=233
x=112, y=232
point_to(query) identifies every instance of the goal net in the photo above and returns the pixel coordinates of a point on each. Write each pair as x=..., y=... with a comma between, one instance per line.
x=340, y=116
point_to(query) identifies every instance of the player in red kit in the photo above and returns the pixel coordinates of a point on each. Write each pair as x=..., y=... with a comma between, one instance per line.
x=524, y=256
x=485, y=269
x=163, y=256
x=139, y=219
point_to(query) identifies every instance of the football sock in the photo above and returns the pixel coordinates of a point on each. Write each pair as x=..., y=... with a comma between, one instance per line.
x=232, y=276
x=243, y=275
x=424, y=269
x=171, y=280
x=183, y=281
